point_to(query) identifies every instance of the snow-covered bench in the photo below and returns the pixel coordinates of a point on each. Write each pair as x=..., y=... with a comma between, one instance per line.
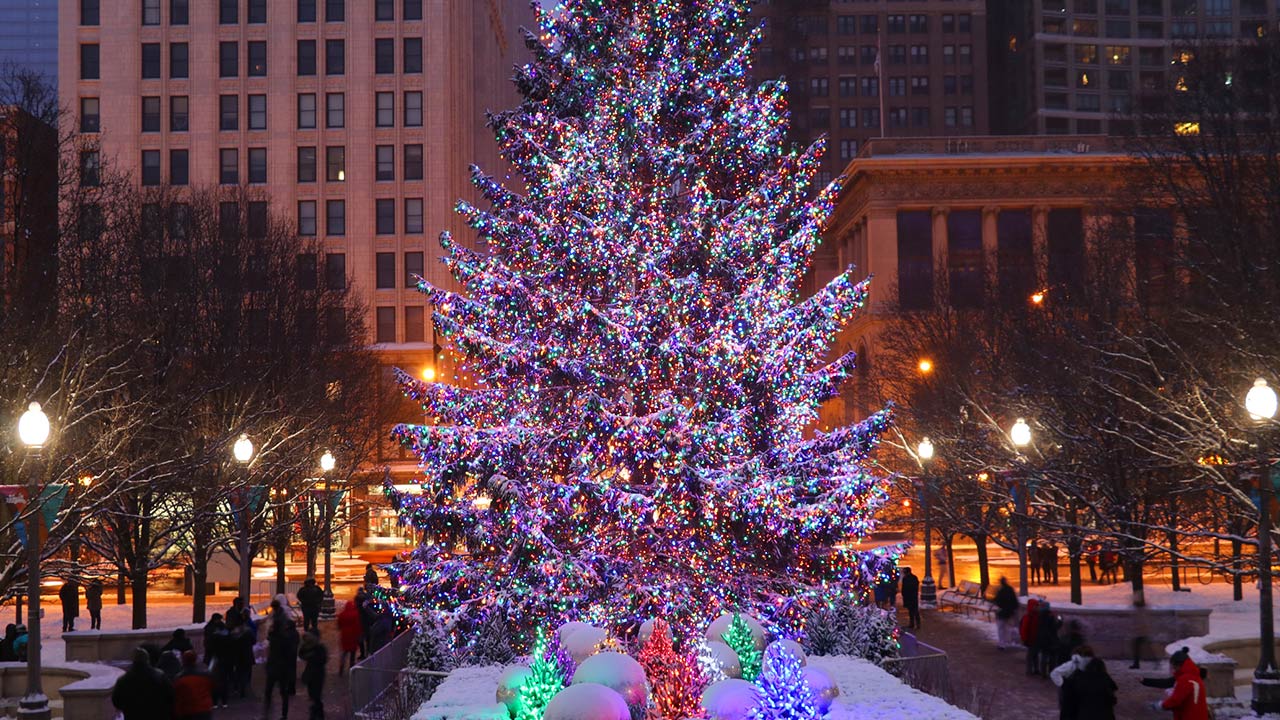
x=968, y=598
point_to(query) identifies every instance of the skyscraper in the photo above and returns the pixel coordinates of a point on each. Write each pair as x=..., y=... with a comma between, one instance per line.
x=29, y=35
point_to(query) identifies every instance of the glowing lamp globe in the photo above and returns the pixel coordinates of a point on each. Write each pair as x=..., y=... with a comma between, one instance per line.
x=243, y=449
x=1020, y=433
x=33, y=426
x=327, y=462
x=925, y=450
x=1260, y=401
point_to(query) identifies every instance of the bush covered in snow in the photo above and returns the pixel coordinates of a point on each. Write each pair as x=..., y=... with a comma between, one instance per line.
x=859, y=630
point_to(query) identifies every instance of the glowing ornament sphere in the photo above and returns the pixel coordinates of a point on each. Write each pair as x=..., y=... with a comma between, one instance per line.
x=825, y=689
x=618, y=672
x=581, y=642
x=646, y=631
x=732, y=699
x=720, y=626
x=726, y=658
x=792, y=647
x=509, y=683
x=587, y=701
x=569, y=628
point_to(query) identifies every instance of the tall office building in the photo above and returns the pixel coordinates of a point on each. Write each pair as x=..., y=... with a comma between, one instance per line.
x=1080, y=66
x=29, y=35
x=872, y=68
x=359, y=119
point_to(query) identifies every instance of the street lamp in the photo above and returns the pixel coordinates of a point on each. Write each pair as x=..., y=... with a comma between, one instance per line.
x=33, y=431
x=242, y=451
x=1260, y=403
x=327, y=608
x=1020, y=434
x=928, y=592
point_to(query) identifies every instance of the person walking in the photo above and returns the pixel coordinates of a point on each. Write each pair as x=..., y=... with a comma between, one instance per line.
x=1033, y=560
x=1188, y=697
x=1006, y=602
x=1027, y=632
x=93, y=603
x=1046, y=639
x=310, y=598
x=243, y=638
x=1077, y=662
x=911, y=598
x=192, y=691
x=143, y=692
x=237, y=614
x=282, y=661
x=315, y=656
x=350, y=632
x=69, y=594
x=370, y=575
x=1091, y=559
x=1089, y=693
x=178, y=643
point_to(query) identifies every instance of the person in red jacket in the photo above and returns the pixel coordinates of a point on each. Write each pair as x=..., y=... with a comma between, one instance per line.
x=349, y=631
x=1187, y=698
x=1027, y=632
x=192, y=691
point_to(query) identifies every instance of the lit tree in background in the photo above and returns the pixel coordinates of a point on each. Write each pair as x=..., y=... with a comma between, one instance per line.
x=639, y=439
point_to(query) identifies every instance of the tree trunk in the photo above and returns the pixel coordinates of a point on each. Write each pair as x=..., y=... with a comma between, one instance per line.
x=1173, y=560
x=121, y=598
x=282, y=553
x=311, y=558
x=1135, y=576
x=949, y=541
x=199, y=577
x=984, y=571
x=139, y=582
x=1074, y=545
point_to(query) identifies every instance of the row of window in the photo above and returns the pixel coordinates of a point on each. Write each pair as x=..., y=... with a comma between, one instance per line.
x=953, y=117
x=1251, y=28
x=1178, y=8
x=850, y=86
x=256, y=112
x=414, y=324
x=256, y=58
x=869, y=54
x=896, y=24
x=336, y=217
x=255, y=11
x=1109, y=54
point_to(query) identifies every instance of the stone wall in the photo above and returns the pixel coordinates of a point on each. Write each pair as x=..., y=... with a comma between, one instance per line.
x=118, y=645
x=83, y=690
x=1110, y=631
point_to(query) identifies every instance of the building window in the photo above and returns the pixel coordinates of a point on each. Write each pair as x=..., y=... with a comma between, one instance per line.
x=412, y=9
x=305, y=271
x=870, y=86
x=413, y=109
x=228, y=112
x=848, y=86
x=915, y=259
x=335, y=271
x=919, y=24
x=412, y=162
x=229, y=166
x=257, y=59
x=898, y=117
x=818, y=86
x=964, y=258
x=179, y=167
x=897, y=24
x=229, y=59
x=870, y=24
x=413, y=55
x=89, y=62
x=848, y=117
x=257, y=219
x=335, y=114
x=949, y=117
x=948, y=23
x=334, y=57
x=179, y=65
x=386, y=325
x=90, y=119
x=386, y=220
x=820, y=118
x=949, y=85
x=386, y=163
x=384, y=56
x=867, y=55
x=966, y=54
x=1066, y=251
x=920, y=85
x=150, y=167
x=150, y=61
x=335, y=164
x=306, y=164
x=897, y=54
x=920, y=54
x=415, y=324
x=89, y=12
x=179, y=114
x=384, y=10
x=257, y=112
x=179, y=12
x=228, y=220
x=385, y=265
x=413, y=216
x=150, y=12
x=257, y=165
x=1153, y=247
x=966, y=117
x=870, y=117
x=257, y=12
x=846, y=24
x=306, y=57
x=412, y=269
x=920, y=117
x=90, y=168
x=228, y=12
x=335, y=10
x=150, y=114
x=386, y=109
x=848, y=149
x=307, y=218
x=897, y=86
x=306, y=111
x=335, y=217
x=1015, y=261
x=306, y=11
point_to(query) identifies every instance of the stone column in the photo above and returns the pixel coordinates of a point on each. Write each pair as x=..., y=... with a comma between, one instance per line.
x=1040, y=243
x=939, y=246
x=990, y=247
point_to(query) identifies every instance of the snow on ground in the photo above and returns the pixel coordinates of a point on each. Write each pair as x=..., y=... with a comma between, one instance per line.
x=467, y=694
x=869, y=693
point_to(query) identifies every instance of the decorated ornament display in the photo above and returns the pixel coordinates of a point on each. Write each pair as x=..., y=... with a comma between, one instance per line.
x=543, y=682
x=632, y=428
x=583, y=642
x=616, y=671
x=784, y=694
x=741, y=639
x=587, y=701
x=825, y=690
x=791, y=646
x=509, y=684
x=675, y=680
x=725, y=659
x=566, y=629
x=732, y=699
x=721, y=625
x=646, y=630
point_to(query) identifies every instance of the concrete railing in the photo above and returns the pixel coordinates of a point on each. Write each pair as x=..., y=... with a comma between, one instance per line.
x=77, y=691
x=1110, y=631
x=118, y=645
x=1228, y=663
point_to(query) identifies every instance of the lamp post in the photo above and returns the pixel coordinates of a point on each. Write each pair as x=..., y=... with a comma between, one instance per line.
x=1260, y=402
x=327, y=609
x=33, y=431
x=243, y=453
x=1020, y=434
x=928, y=592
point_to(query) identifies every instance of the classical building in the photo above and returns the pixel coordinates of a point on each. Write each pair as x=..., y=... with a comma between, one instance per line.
x=984, y=219
x=877, y=68
x=359, y=119
x=1076, y=66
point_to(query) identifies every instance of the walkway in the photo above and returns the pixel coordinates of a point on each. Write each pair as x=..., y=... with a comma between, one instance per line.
x=993, y=684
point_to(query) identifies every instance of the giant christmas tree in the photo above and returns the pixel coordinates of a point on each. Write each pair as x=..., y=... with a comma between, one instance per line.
x=639, y=437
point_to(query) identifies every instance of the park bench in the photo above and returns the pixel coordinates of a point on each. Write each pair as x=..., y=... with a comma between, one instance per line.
x=968, y=598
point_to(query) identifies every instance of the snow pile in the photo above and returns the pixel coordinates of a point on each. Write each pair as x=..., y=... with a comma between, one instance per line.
x=467, y=694
x=869, y=693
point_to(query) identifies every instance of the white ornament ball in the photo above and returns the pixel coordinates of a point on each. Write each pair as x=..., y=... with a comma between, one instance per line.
x=509, y=683
x=582, y=642
x=792, y=647
x=825, y=689
x=618, y=672
x=646, y=631
x=726, y=657
x=720, y=626
x=587, y=701
x=732, y=699
x=569, y=628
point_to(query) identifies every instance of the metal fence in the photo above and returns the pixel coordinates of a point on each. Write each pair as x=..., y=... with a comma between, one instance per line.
x=384, y=688
x=923, y=667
